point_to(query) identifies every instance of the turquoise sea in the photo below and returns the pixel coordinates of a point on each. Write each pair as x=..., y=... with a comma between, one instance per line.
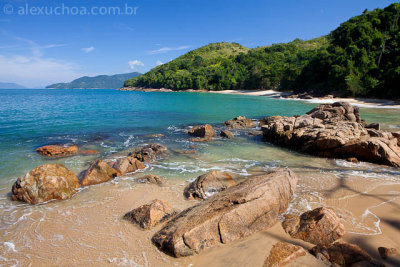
x=114, y=122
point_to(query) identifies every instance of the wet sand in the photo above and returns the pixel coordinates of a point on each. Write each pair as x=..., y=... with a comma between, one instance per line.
x=88, y=230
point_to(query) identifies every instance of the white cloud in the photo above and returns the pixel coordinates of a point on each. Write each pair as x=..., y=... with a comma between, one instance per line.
x=31, y=70
x=168, y=49
x=30, y=67
x=159, y=62
x=88, y=49
x=133, y=64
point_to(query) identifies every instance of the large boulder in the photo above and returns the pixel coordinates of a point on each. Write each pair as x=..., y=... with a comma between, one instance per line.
x=44, y=183
x=283, y=253
x=232, y=214
x=149, y=215
x=99, y=172
x=320, y=226
x=57, y=151
x=149, y=152
x=342, y=254
x=334, y=131
x=204, y=131
x=240, y=122
x=208, y=184
x=127, y=164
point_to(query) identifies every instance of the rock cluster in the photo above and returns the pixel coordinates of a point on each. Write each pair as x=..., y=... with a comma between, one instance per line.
x=44, y=183
x=208, y=184
x=240, y=122
x=335, y=131
x=57, y=151
x=322, y=228
x=149, y=152
x=234, y=213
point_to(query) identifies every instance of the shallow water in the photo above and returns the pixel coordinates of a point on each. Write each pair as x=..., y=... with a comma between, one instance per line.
x=114, y=122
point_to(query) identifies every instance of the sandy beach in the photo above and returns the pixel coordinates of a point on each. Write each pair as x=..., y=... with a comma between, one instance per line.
x=92, y=229
x=361, y=102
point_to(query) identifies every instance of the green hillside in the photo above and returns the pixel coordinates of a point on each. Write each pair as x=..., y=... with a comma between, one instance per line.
x=97, y=82
x=360, y=58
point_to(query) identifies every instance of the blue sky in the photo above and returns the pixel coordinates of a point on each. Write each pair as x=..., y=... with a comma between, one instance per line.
x=40, y=44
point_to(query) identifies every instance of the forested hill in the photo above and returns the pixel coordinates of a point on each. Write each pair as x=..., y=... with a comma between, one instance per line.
x=359, y=58
x=97, y=82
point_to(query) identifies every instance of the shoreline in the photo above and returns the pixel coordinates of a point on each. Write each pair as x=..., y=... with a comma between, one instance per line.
x=360, y=102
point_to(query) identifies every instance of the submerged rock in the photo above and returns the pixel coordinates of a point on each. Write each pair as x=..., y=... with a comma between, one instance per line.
x=44, y=183
x=151, y=179
x=334, y=131
x=240, y=122
x=127, y=164
x=154, y=135
x=57, y=151
x=149, y=215
x=320, y=226
x=200, y=140
x=149, y=152
x=255, y=133
x=232, y=214
x=342, y=254
x=283, y=253
x=99, y=172
x=203, y=131
x=208, y=184
x=227, y=134
x=88, y=152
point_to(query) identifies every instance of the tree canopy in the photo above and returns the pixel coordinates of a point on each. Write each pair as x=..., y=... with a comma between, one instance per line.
x=359, y=58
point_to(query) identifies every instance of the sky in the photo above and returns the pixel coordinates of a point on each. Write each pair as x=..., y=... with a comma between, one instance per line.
x=44, y=42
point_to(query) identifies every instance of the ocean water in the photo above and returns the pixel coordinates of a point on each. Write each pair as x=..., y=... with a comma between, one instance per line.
x=114, y=122
x=109, y=120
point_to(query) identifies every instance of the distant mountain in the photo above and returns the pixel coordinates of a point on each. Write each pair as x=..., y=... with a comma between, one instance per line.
x=97, y=82
x=11, y=86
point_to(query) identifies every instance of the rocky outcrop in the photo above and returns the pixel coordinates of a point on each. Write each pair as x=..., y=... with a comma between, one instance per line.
x=203, y=131
x=149, y=152
x=127, y=164
x=44, y=183
x=240, y=122
x=334, y=131
x=208, y=184
x=227, y=134
x=57, y=151
x=149, y=215
x=320, y=226
x=283, y=253
x=342, y=254
x=234, y=213
x=99, y=172
x=151, y=179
